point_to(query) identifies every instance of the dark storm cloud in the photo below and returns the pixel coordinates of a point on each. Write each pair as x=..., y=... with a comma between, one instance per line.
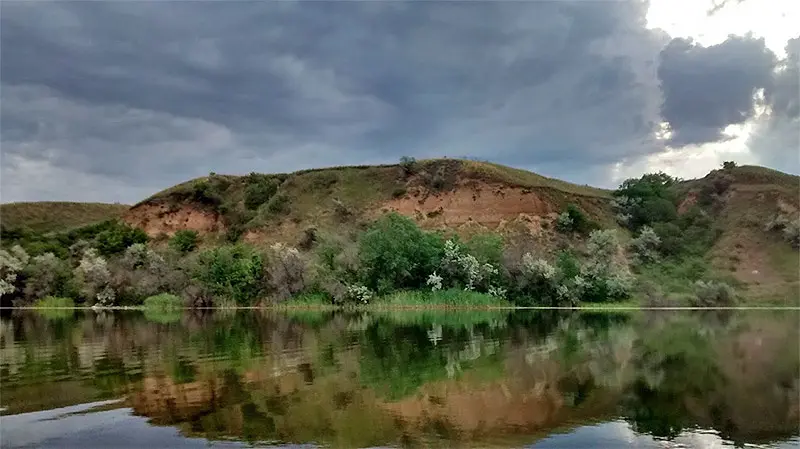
x=707, y=89
x=113, y=100
x=776, y=137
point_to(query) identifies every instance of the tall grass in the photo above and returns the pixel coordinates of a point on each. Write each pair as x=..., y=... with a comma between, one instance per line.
x=52, y=302
x=444, y=298
x=164, y=302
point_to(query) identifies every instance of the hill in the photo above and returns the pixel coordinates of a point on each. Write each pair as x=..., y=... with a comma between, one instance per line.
x=744, y=202
x=439, y=193
x=50, y=216
x=737, y=224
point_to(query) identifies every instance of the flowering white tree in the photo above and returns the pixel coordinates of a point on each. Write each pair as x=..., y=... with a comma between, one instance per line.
x=605, y=276
x=95, y=278
x=645, y=245
x=459, y=265
x=11, y=263
x=287, y=270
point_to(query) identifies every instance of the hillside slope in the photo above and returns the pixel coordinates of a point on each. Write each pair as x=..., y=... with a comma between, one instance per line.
x=441, y=193
x=743, y=201
x=50, y=216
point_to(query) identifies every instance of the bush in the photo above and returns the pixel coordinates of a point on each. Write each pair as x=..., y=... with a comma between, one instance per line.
x=573, y=219
x=163, y=302
x=728, y=165
x=233, y=272
x=94, y=279
x=279, y=204
x=486, y=247
x=117, y=238
x=142, y=272
x=259, y=190
x=564, y=223
x=399, y=192
x=645, y=246
x=395, y=254
x=11, y=263
x=408, y=164
x=604, y=277
x=288, y=271
x=47, y=275
x=184, y=241
x=463, y=270
x=713, y=294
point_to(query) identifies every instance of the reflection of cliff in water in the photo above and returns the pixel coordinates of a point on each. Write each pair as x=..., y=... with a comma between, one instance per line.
x=381, y=379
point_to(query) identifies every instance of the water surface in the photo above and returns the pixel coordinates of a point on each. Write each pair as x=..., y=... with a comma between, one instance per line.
x=543, y=379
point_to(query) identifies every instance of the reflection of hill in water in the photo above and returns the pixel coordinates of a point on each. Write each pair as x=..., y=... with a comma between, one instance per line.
x=378, y=379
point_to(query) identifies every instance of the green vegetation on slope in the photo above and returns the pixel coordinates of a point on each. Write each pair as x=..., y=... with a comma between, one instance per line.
x=673, y=252
x=341, y=197
x=53, y=216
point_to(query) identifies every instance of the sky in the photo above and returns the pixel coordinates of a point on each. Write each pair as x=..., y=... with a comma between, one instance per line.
x=115, y=100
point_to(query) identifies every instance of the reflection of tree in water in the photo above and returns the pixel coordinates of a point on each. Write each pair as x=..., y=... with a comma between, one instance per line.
x=395, y=360
x=673, y=363
x=730, y=373
x=302, y=377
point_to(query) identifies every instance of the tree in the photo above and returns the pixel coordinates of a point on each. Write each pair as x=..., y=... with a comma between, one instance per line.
x=646, y=200
x=233, y=272
x=394, y=253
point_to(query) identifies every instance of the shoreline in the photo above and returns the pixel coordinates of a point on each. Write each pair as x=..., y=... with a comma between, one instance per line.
x=369, y=307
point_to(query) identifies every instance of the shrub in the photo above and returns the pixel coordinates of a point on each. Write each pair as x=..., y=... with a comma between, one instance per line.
x=358, y=294
x=259, y=190
x=465, y=270
x=713, y=294
x=11, y=263
x=184, y=240
x=340, y=209
x=94, y=278
x=564, y=222
x=790, y=229
x=142, y=272
x=308, y=239
x=408, y=164
x=395, y=254
x=399, y=192
x=279, y=204
x=728, y=165
x=118, y=237
x=232, y=272
x=791, y=232
x=163, y=302
x=288, y=271
x=604, y=277
x=573, y=219
x=645, y=245
x=47, y=275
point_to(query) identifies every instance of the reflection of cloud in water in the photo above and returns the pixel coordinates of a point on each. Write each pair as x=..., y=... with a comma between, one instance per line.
x=616, y=434
x=78, y=426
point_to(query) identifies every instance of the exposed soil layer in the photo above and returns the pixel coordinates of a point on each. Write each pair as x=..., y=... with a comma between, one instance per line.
x=163, y=218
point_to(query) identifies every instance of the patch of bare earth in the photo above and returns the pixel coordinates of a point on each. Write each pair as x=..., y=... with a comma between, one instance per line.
x=156, y=219
x=471, y=204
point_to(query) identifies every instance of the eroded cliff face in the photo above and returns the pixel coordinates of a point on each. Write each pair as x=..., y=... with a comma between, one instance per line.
x=162, y=218
x=485, y=204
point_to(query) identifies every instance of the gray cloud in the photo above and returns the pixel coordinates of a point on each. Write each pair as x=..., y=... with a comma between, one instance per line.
x=776, y=137
x=707, y=89
x=137, y=96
